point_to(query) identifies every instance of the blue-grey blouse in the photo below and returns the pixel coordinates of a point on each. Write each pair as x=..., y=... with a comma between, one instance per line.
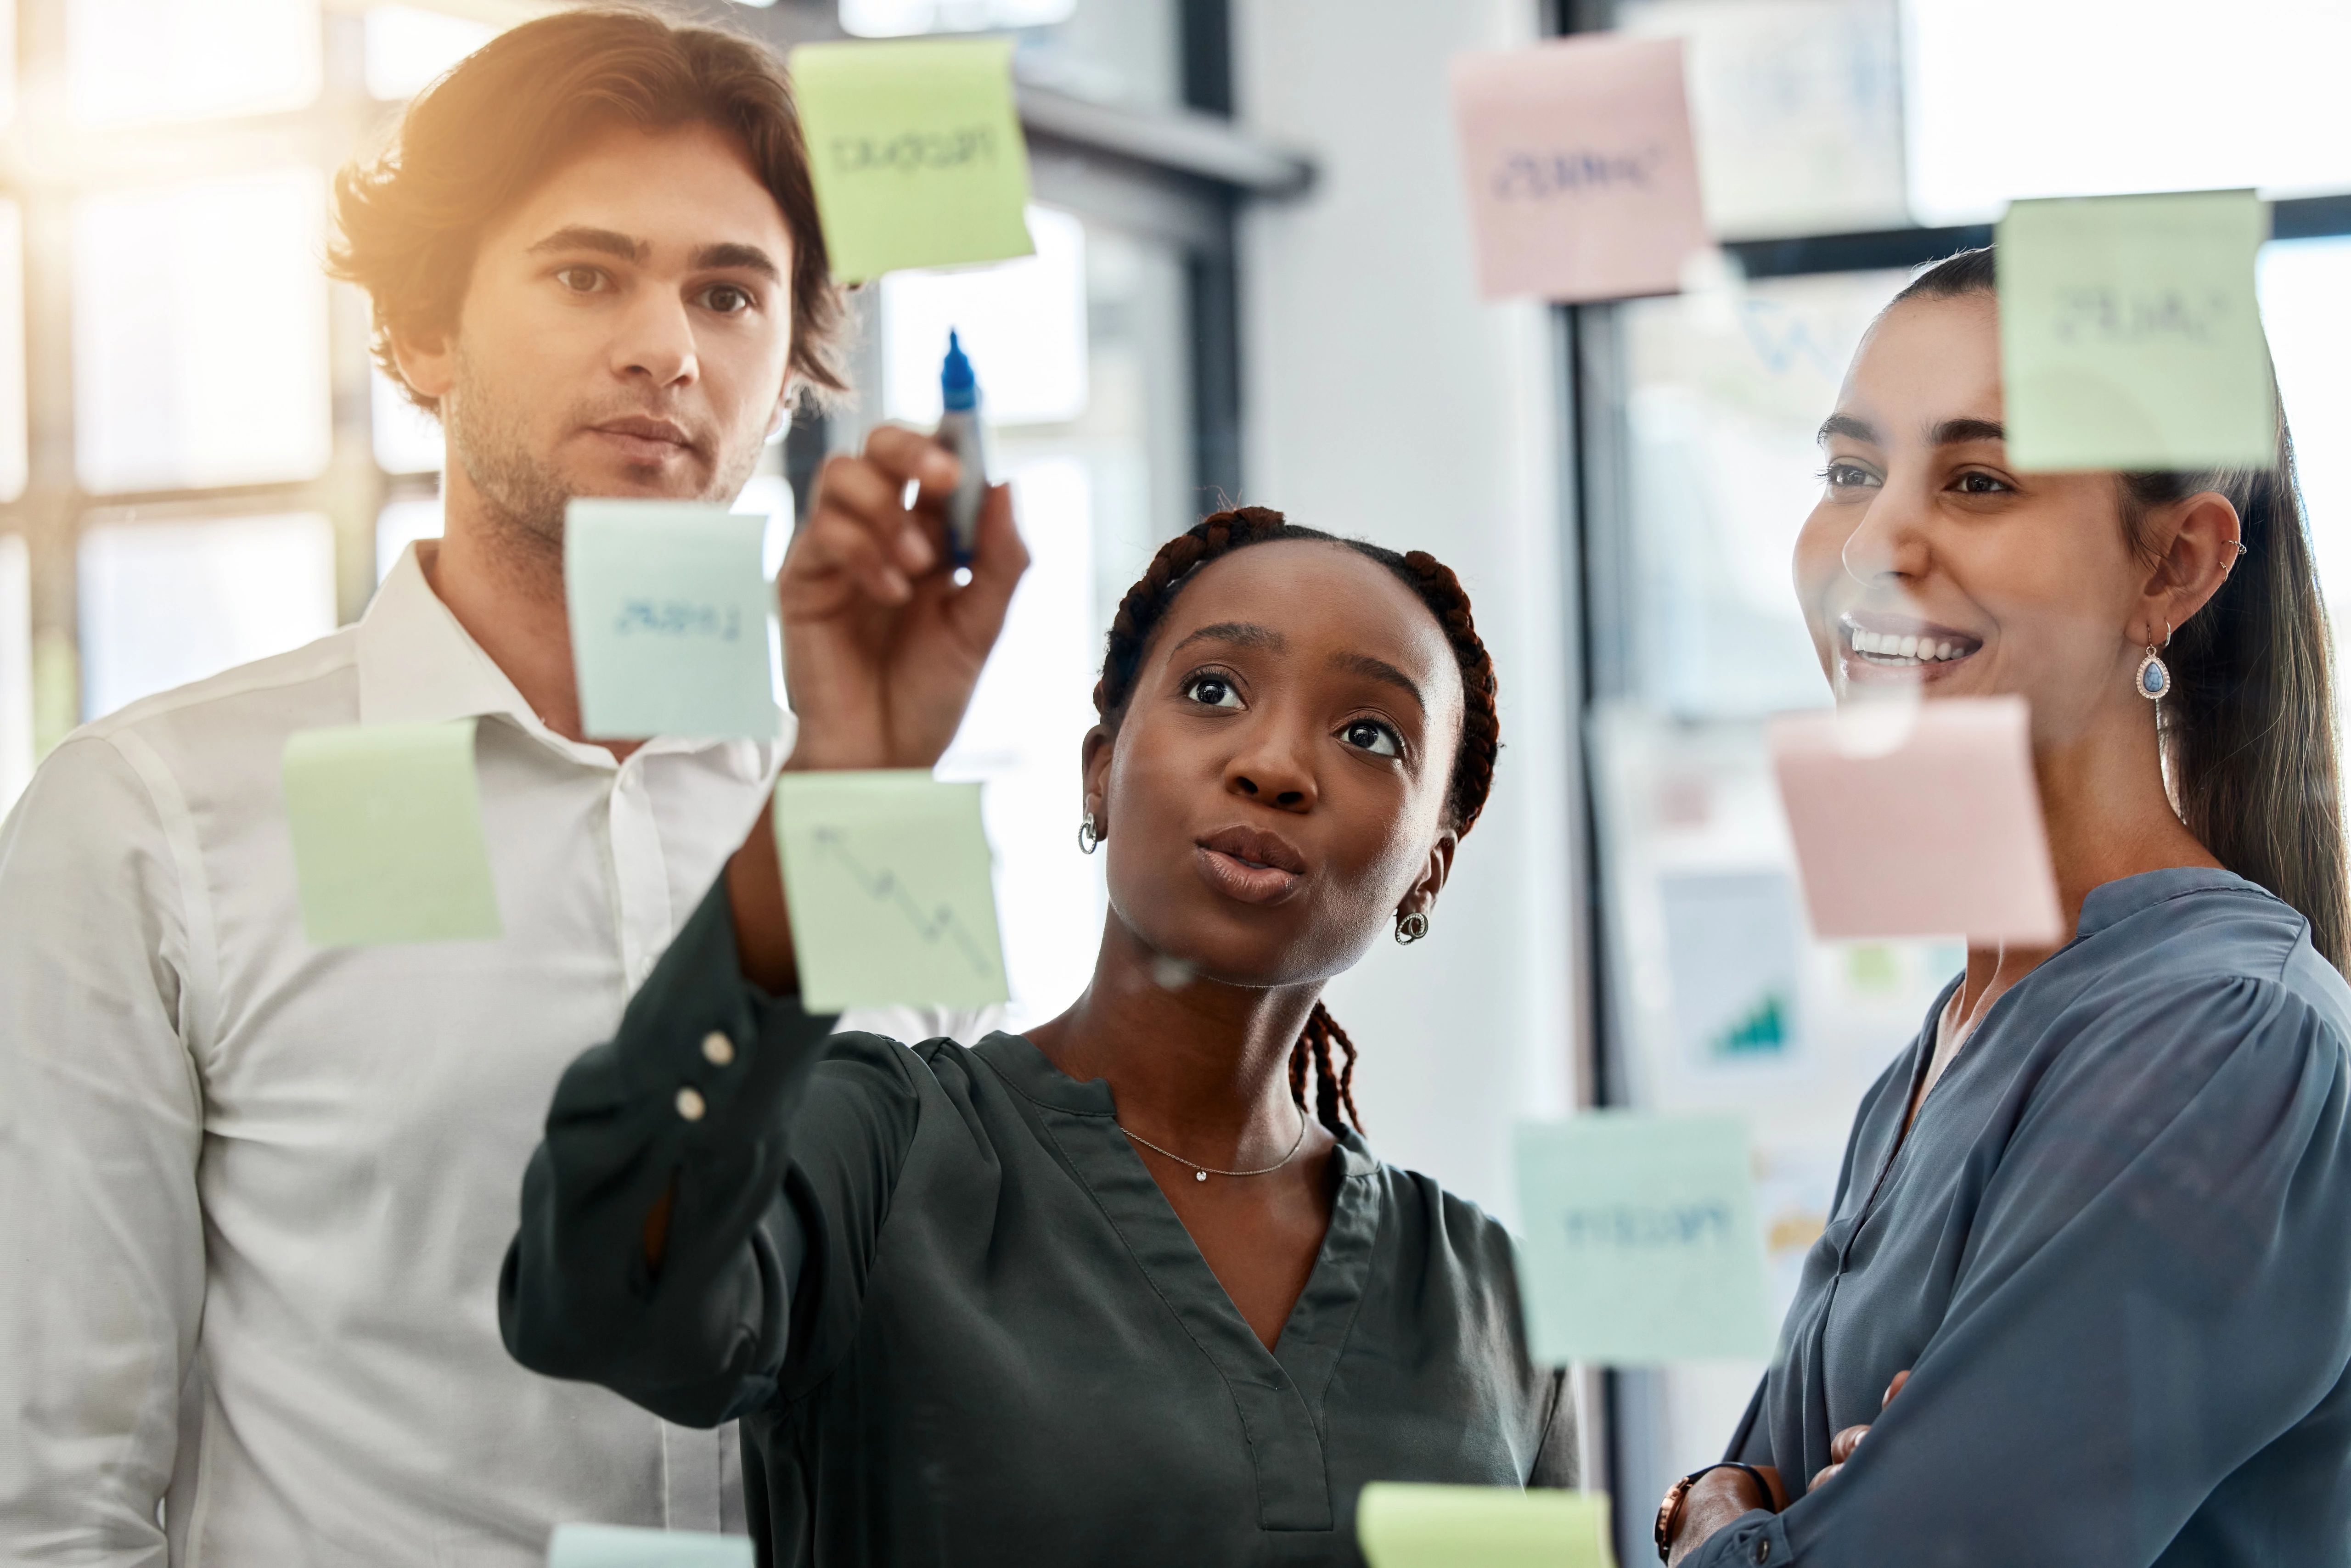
x=2114, y=1252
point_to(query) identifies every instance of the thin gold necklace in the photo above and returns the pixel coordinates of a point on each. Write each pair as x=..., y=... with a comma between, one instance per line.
x=1202, y=1172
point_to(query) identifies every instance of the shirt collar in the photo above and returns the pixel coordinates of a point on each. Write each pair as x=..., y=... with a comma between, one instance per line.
x=2110, y=904
x=418, y=665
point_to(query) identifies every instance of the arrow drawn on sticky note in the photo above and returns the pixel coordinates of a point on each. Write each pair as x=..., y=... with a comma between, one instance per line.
x=884, y=886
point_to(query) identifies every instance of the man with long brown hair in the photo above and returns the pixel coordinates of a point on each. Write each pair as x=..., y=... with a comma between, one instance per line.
x=258, y=1191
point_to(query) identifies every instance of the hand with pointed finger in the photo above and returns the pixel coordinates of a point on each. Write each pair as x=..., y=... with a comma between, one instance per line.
x=1841, y=1446
x=882, y=646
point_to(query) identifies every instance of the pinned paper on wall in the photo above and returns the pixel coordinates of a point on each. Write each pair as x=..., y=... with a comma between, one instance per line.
x=887, y=875
x=1642, y=1245
x=2130, y=334
x=1581, y=176
x=671, y=621
x=388, y=843
x=617, y=1546
x=1918, y=818
x=915, y=151
x=1410, y=1525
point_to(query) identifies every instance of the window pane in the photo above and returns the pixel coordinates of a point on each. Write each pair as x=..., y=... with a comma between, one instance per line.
x=12, y=351
x=166, y=604
x=407, y=439
x=16, y=668
x=2053, y=97
x=133, y=61
x=1113, y=51
x=1023, y=323
x=200, y=334
x=407, y=47
x=1797, y=107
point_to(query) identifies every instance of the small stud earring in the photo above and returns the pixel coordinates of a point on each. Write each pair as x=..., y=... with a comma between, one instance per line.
x=1411, y=928
x=1088, y=835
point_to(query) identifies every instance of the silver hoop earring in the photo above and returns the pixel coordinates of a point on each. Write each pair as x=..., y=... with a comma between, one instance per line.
x=1088, y=835
x=2154, y=678
x=1411, y=928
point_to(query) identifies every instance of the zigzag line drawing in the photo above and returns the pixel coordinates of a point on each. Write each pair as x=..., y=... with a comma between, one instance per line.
x=884, y=886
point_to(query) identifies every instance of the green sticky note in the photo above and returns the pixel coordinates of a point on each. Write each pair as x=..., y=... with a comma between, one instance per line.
x=1642, y=1244
x=616, y=1546
x=388, y=843
x=915, y=151
x=887, y=875
x=1412, y=1526
x=671, y=621
x=2130, y=335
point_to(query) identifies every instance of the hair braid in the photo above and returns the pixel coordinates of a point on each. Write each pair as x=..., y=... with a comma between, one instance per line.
x=1323, y=1048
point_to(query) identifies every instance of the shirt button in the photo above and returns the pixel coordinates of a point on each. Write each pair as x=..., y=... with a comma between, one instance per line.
x=718, y=1049
x=1762, y=1551
x=690, y=1106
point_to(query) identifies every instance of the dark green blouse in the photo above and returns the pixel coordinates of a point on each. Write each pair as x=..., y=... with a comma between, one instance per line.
x=957, y=1319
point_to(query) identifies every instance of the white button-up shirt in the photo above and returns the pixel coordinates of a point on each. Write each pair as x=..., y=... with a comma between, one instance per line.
x=254, y=1193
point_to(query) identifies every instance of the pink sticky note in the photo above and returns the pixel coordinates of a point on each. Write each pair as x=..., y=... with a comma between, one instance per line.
x=1577, y=158
x=1918, y=820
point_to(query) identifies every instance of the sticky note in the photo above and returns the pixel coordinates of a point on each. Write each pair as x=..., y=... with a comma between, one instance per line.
x=915, y=151
x=1642, y=1244
x=1577, y=163
x=388, y=842
x=1918, y=818
x=615, y=1546
x=671, y=621
x=1402, y=1525
x=2130, y=335
x=887, y=876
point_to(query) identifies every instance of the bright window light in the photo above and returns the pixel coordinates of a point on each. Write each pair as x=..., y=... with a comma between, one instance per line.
x=401, y=523
x=1023, y=323
x=200, y=335
x=2058, y=98
x=409, y=46
x=166, y=604
x=407, y=440
x=2307, y=310
x=12, y=351
x=902, y=19
x=16, y=668
x=141, y=60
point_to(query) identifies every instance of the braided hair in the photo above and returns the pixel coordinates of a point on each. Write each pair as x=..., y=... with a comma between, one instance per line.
x=1323, y=1051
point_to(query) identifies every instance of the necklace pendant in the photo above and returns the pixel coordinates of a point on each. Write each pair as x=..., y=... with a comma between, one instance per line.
x=1200, y=1176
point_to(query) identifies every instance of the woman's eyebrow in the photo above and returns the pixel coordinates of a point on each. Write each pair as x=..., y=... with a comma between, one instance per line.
x=1846, y=425
x=1959, y=432
x=1241, y=634
x=1378, y=670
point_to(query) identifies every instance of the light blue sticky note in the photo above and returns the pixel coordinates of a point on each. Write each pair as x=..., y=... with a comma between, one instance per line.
x=1405, y=1525
x=616, y=1546
x=1642, y=1244
x=671, y=621
x=887, y=875
x=2130, y=335
x=388, y=843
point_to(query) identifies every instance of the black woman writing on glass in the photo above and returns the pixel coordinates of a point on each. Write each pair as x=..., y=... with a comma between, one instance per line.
x=2084, y=1294
x=1128, y=1288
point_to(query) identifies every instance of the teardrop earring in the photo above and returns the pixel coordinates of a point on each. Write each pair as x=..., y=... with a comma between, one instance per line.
x=2153, y=681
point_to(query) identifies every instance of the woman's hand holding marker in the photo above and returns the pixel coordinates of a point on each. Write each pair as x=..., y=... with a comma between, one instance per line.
x=882, y=646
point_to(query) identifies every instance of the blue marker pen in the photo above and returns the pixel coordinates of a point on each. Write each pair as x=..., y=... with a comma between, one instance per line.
x=959, y=433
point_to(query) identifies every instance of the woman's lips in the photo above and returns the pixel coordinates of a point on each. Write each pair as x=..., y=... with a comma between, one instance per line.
x=1251, y=866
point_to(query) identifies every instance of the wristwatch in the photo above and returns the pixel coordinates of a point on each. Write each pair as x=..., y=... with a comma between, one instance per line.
x=1669, y=1511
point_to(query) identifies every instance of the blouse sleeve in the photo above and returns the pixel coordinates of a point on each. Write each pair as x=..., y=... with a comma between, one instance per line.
x=780, y=1144
x=2157, y=1287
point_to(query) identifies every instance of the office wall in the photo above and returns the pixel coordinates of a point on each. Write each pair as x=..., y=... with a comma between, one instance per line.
x=1383, y=399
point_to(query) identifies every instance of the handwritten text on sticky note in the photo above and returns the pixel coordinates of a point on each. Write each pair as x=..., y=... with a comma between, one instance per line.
x=1406, y=1525
x=915, y=151
x=670, y=621
x=1577, y=162
x=887, y=876
x=1918, y=818
x=1642, y=1244
x=387, y=842
x=617, y=1546
x=2130, y=333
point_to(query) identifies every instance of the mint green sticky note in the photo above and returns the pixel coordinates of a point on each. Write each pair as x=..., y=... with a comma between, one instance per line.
x=887, y=875
x=671, y=618
x=915, y=151
x=2130, y=335
x=616, y=1546
x=1641, y=1242
x=1414, y=1526
x=388, y=843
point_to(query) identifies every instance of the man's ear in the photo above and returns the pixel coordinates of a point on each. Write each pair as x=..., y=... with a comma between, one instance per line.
x=2197, y=550
x=1093, y=771
x=1421, y=896
x=428, y=363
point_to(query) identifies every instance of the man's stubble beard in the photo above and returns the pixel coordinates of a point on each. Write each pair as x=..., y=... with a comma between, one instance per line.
x=525, y=496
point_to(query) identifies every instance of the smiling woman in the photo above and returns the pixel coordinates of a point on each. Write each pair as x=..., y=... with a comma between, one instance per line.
x=1120, y=1288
